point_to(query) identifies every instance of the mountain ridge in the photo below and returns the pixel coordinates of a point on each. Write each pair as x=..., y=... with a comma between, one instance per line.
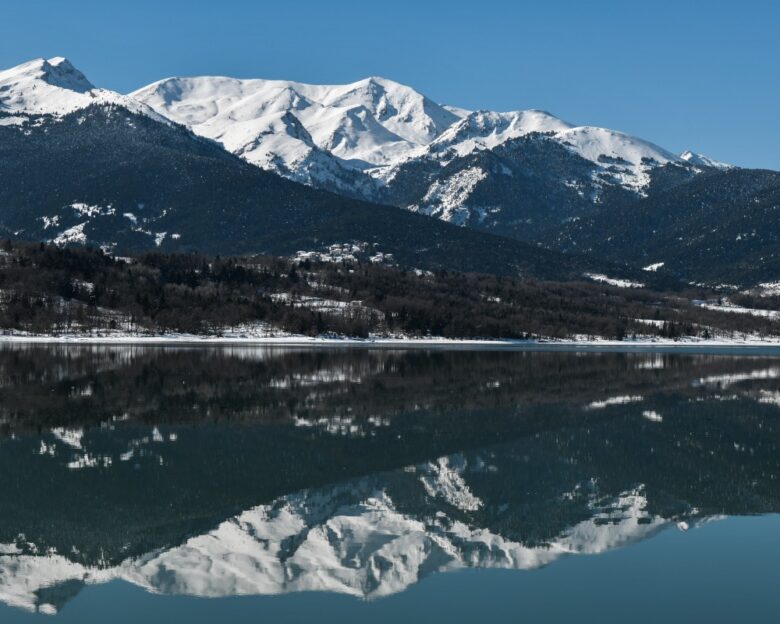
x=523, y=175
x=144, y=185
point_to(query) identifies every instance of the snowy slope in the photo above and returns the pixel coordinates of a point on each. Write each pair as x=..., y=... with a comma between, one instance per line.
x=630, y=157
x=372, y=122
x=328, y=134
x=56, y=87
x=486, y=130
x=333, y=135
x=379, y=140
x=700, y=160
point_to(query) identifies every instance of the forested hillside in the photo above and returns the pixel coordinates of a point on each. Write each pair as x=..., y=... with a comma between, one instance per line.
x=45, y=289
x=720, y=227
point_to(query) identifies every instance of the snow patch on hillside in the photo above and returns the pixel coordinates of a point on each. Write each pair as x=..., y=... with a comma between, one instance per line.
x=73, y=235
x=620, y=283
x=446, y=199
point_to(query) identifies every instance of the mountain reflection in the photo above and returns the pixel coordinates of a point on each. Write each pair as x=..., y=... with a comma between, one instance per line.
x=248, y=471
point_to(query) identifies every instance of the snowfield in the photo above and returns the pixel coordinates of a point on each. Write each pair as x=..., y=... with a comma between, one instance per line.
x=620, y=283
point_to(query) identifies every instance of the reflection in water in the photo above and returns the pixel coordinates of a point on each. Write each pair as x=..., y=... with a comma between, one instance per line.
x=249, y=471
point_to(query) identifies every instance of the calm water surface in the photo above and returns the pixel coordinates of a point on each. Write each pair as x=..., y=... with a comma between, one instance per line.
x=247, y=485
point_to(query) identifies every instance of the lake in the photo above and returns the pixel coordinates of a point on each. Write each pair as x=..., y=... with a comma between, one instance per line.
x=245, y=484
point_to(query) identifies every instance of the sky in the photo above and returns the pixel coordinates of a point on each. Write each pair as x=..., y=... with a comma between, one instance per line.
x=699, y=75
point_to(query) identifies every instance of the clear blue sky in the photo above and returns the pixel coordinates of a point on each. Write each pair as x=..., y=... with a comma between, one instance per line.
x=686, y=74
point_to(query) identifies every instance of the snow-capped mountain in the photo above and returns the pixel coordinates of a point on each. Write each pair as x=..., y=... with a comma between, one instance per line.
x=700, y=160
x=384, y=141
x=379, y=140
x=80, y=165
x=55, y=87
x=317, y=134
x=483, y=130
x=373, y=124
x=526, y=175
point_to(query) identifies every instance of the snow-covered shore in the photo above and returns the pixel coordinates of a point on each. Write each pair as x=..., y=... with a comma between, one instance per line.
x=648, y=343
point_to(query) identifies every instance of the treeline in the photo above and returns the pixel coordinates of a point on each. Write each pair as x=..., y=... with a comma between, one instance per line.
x=45, y=288
x=756, y=301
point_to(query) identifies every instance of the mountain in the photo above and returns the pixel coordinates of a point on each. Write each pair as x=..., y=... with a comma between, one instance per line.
x=700, y=160
x=516, y=173
x=86, y=166
x=719, y=228
x=200, y=164
x=321, y=135
x=55, y=87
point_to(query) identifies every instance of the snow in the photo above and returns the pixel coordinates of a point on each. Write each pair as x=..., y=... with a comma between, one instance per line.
x=326, y=306
x=72, y=235
x=487, y=129
x=12, y=120
x=350, y=137
x=620, y=283
x=726, y=306
x=446, y=199
x=770, y=397
x=700, y=160
x=652, y=268
x=316, y=133
x=630, y=158
x=56, y=87
x=87, y=210
x=88, y=460
x=256, y=338
x=367, y=123
x=769, y=289
x=50, y=222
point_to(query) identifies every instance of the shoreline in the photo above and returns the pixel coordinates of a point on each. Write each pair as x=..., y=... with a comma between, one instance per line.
x=748, y=345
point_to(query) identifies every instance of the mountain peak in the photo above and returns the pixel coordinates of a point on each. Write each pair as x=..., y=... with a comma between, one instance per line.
x=57, y=72
x=700, y=160
x=60, y=72
x=56, y=87
x=42, y=86
x=367, y=123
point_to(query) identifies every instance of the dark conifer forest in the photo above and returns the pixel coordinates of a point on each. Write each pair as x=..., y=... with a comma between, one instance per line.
x=47, y=289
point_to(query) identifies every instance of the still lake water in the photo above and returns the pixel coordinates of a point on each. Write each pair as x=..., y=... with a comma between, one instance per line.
x=247, y=485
